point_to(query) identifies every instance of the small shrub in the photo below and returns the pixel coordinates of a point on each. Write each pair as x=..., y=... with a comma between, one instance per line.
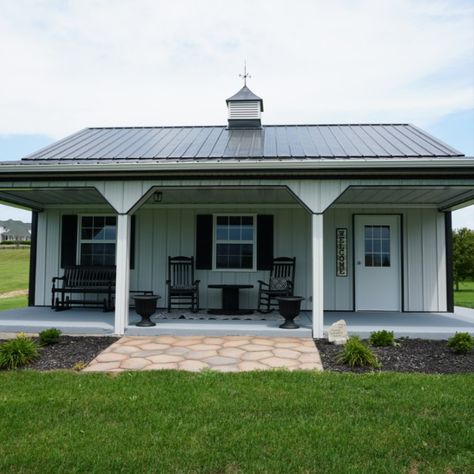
x=461, y=342
x=18, y=352
x=78, y=366
x=49, y=336
x=356, y=354
x=382, y=338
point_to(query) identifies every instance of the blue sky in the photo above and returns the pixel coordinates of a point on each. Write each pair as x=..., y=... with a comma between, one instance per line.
x=151, y=62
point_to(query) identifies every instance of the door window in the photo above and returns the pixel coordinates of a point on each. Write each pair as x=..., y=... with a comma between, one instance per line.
x=377, y=245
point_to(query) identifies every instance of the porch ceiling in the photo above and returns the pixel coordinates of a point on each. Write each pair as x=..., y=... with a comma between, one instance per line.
x=39, y=198
x=443, y=197
x=239, y=196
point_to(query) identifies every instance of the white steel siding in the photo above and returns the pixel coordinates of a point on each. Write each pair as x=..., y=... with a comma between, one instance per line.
x=171, y=232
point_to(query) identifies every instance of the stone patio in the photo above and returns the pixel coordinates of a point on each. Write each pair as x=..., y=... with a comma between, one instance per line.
x=195, y=353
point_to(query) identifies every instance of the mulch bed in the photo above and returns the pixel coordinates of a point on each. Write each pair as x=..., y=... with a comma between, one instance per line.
x=412, y=355
x=69, y=351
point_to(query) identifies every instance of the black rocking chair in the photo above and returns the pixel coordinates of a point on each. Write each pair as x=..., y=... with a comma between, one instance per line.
x=182, y=288
x=281, y=283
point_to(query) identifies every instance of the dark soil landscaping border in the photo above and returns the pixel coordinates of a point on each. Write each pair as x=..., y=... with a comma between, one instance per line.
x=69, y=351
x=412, y=355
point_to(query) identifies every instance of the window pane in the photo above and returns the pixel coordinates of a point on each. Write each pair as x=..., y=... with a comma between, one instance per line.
x=376, y=231
x=247, y=262
x=86, y=234
x=247, y=221
x=368, y=260
x=377, y=261
x=234, y=233
x=234, y=220
x=386, y=246
x=377, y=245
x=368, y=231
x=385, y=260
x=110, y=233
x=222, y=220
x=222, y=249
x=368, y=246
x=247, y=249
x=87, y=221
x=234, y=261
x=222, y=261
x=385, y=231
x=222, y=233
x=111, y=220
x=247, y=233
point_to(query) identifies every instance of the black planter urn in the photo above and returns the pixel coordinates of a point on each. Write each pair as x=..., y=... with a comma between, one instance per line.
x=145, y=306
x=289, y=307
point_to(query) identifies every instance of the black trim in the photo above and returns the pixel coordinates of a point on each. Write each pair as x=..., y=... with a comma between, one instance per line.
x=68, y=240
x=264, y=242
x=33, y=253
x=448, y=232
x=204, y=242
x=379, y=173
x=402, y=258
x=132, y=241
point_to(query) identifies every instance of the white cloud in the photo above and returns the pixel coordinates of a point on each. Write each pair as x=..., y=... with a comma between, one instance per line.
x=67, y=65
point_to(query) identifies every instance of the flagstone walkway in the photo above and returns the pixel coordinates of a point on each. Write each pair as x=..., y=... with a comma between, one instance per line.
x=195, y=353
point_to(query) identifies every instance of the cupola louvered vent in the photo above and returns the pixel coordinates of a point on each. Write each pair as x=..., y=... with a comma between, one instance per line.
x=245, y=109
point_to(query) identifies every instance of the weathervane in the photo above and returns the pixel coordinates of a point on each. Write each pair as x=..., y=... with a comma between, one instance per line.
x=245, y=75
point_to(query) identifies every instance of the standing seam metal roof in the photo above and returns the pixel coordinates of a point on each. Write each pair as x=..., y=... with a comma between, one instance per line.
x=269, y=142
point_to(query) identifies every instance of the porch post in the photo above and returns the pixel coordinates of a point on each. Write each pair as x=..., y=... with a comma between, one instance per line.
x=317, y=274
x=123, y=273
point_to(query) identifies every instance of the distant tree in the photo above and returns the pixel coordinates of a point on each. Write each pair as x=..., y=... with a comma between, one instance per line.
x=463, y=255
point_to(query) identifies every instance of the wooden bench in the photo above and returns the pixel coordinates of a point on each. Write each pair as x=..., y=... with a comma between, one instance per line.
x=85, y=280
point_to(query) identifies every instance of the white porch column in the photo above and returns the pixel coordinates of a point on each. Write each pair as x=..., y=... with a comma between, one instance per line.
x=123, y=273
x=317, y=274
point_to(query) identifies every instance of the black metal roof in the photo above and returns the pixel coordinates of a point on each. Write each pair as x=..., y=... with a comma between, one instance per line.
x=378, y=141
x=245, y=95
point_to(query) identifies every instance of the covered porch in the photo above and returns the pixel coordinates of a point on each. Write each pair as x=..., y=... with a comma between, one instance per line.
x=92, y=321
x=307, y=214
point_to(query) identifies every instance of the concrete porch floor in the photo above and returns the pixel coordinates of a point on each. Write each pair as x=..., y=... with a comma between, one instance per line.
x=91, y=321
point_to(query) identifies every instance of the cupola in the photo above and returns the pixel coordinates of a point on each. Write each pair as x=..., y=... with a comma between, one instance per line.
x=245, y=108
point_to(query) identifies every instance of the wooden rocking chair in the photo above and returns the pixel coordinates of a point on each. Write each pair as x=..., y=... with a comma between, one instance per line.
x=182, y=288
x=281, y=283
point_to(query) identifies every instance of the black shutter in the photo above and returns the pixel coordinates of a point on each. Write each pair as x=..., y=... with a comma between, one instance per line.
x=204, y=242
x=264, y=242
x=68, y=240
x=132, y=242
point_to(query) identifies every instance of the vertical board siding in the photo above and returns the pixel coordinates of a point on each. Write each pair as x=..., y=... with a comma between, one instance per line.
x=424, y=259
x=170, y=232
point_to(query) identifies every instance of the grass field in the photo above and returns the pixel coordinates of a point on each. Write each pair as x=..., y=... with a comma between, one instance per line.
x=229, y=423
x=14, y=267
x=465, y=295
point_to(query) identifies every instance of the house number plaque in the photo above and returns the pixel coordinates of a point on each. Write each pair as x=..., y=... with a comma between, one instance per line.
x=341, y=252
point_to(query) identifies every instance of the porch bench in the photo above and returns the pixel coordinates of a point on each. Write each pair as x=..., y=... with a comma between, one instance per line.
x=85, y=280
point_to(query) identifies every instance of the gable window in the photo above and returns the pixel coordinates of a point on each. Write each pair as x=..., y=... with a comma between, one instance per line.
x=234, y=242
x=97, y=238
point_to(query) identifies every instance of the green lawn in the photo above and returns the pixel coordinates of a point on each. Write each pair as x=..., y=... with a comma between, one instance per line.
x=12, y=303
x=465, y=295
x=14, y=268
x=288, y=422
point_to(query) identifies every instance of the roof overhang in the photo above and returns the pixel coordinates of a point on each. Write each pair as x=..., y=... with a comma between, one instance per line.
x=392, y=167
x=443, y=198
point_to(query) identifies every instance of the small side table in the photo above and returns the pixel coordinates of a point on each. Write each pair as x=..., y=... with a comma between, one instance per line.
x=230, y=300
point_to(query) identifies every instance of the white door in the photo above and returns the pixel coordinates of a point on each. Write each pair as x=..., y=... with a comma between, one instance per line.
x=377, y=263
